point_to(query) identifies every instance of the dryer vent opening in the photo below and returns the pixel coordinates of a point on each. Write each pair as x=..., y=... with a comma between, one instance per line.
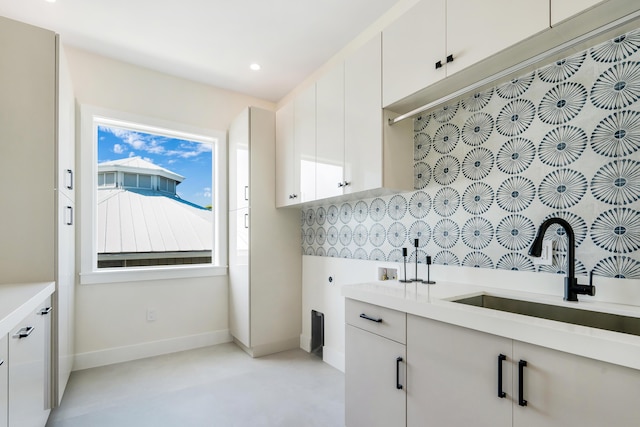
x=317, y=332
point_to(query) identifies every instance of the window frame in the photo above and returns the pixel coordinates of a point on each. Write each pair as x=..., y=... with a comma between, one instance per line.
x=90, y=118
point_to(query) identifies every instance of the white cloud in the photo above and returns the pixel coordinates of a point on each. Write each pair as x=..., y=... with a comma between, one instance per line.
x=207, y=192
x=118, y=149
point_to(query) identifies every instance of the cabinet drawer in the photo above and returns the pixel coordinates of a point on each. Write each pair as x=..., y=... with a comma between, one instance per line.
x=383, y=321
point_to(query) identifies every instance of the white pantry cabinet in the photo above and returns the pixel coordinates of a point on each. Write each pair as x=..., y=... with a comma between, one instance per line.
x=37, y=127
x=375, y=357
x=437, y=38
x=455, y=376
x=265, y=270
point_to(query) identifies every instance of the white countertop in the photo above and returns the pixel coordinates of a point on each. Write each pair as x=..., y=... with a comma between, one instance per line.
x=434, y=302
x=18, y=300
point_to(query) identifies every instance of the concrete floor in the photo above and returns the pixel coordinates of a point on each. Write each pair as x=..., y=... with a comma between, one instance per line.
x=208, y=387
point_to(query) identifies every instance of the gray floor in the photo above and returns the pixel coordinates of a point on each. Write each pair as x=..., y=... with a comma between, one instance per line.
x=213, y=386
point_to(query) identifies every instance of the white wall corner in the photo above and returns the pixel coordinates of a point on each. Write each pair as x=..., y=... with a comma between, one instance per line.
x=149, y=349
x=333, y=358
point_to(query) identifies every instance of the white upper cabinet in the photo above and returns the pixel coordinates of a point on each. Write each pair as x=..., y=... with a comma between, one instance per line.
x=330, y=134
x=304, y=131
x=285, y=176
x=479, y=29
x=363, y=118
x=437, y=38
x=411, y=46
x=296, y=150
x=564, y=9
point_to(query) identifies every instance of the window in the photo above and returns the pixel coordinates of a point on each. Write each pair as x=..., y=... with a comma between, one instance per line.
x=156, y=193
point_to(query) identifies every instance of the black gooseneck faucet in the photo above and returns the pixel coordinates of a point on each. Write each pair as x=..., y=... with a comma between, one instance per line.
x=571, y=287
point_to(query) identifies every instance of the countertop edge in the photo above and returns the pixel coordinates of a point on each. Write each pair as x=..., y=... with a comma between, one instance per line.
x=24, y=298
x=611, y=347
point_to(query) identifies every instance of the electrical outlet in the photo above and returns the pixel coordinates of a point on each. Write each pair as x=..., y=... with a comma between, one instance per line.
x=546, y=257
x=152, y=315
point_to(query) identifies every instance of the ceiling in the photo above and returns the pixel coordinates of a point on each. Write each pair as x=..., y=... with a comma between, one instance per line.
x=210, y=41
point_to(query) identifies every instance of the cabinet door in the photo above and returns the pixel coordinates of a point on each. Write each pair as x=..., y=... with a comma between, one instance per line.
x=239, y=286
x=363, y=117
x=452, y=376
x=27, y=355
x=411, y=46
x=304, y=130
x=564, y=389
x=285, y=177
x=479, y=29
x=330, y=134
x=565, y=9
x=239, y=162
x=65, y=293
x=372, y=397
x=4, y=381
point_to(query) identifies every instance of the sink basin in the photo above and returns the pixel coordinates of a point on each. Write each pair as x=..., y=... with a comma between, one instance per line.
x=575, y=316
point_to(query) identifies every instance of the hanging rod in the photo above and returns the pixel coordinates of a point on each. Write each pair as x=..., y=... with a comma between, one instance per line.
x=519, y=67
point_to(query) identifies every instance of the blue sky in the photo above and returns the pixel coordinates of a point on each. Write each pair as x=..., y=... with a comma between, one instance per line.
x=191, y=159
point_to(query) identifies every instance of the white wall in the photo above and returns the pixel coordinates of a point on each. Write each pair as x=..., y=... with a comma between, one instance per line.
x=111, y=323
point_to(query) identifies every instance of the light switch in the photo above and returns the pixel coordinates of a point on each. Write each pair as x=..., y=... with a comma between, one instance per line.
x=546, y=257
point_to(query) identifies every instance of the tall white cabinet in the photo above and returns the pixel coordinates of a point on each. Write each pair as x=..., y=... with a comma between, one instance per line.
x=265, y=270
x=36, y=154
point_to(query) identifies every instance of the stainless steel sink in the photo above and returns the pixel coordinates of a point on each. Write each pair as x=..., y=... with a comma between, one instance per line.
x=575, y=316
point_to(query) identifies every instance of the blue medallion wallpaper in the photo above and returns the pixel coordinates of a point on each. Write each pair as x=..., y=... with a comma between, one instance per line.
x=562, y=141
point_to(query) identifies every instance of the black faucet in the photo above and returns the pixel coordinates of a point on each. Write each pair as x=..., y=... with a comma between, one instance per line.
x=571, y=287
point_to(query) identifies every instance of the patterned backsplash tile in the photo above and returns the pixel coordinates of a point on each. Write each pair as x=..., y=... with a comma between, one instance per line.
x=562, y=141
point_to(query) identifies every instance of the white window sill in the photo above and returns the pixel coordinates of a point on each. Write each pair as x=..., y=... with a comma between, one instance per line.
x=137, y=274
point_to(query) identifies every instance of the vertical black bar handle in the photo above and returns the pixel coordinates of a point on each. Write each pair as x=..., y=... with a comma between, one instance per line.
x=398, y=385
x=501, y=393
x=521, y=366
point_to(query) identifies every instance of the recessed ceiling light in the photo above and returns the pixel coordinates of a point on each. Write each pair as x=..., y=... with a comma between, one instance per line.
x=255, y=67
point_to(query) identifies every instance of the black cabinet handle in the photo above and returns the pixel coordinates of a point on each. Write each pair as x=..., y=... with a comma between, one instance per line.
x=24, y=332
x=449, y=58
x=398, y=385
x=70, y=180
x=373, y=319
x=438, y=65
x=521, y=366
x=69, y=217
x=501, y=393
x=44, y=311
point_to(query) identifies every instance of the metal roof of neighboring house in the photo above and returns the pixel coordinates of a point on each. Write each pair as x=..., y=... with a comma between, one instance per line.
x=138, y=164
x=149, y=221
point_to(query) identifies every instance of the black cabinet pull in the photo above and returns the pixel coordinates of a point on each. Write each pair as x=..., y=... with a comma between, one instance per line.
x=501, y=393
x=69, y=217
x=44, y=311
x=373, y=319
x=449, y=58
x=438, y=65
x=521, y=366
x=24, y=332
x=70, y=180
x=398, y=385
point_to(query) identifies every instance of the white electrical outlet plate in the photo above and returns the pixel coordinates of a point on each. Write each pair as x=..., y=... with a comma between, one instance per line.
x=546, y=258
x=151, y=315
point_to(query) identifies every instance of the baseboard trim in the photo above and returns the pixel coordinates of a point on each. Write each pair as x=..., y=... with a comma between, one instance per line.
x=110, y=356
x=305, y=343
x=333, y=358
x=271, y=348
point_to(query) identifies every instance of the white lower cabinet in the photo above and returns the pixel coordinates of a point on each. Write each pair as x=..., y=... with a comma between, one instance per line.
x=375, y=366
x=29, y=343
x=562, y=389
x=4, y=381
x=452, y=376
x=455, y=377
